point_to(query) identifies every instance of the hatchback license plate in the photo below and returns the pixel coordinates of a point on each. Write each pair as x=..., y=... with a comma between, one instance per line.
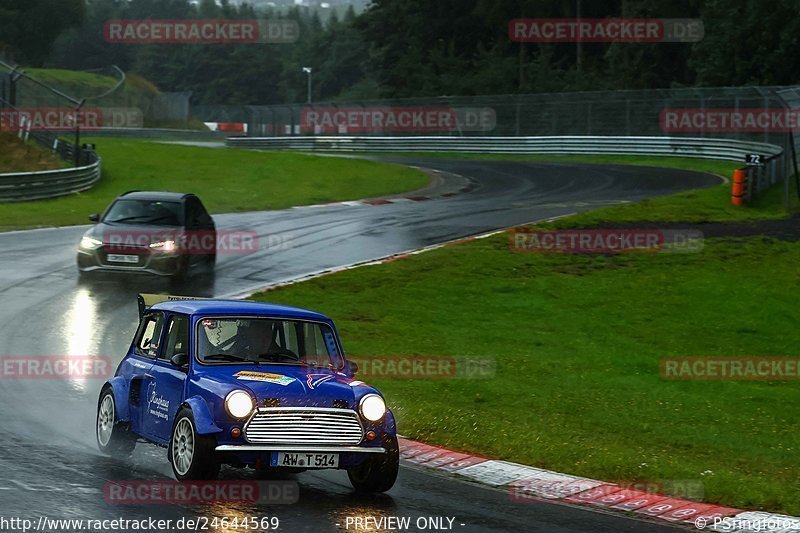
x=118, y=258
x=305, y=460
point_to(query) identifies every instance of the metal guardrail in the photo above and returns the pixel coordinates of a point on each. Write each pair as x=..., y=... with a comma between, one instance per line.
x=156, y=133
x=23, y=186
x=763, y=176
x=708, y=148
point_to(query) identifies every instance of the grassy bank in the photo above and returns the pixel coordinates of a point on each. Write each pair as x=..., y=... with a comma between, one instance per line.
x=19, y=156
x=577, y=341
x=226, y=180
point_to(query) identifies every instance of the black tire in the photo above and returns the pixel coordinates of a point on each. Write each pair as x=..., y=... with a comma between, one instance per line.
x=377, y=474
x=202, y=463
x=114, y=438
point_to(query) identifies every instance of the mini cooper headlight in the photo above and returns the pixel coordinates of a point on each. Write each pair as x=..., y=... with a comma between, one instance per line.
x=90, y=243
x=373, y=408
x=239, y=404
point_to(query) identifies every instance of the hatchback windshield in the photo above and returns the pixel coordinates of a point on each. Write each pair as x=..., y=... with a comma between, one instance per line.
x=145, y=212
x=262, y=340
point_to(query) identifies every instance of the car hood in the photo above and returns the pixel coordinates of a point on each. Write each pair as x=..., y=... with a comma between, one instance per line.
x=111, y=233
x=292, y=386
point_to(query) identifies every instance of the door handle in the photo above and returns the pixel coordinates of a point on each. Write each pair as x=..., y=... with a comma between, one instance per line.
x=150, y=376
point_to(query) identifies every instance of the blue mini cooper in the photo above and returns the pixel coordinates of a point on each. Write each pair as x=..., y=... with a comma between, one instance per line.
x=246, y=384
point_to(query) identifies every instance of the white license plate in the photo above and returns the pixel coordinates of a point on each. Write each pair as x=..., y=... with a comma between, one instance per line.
x=306, y=460
x=118, y=258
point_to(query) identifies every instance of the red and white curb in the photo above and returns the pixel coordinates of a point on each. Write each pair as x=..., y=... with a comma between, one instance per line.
x=528, y=484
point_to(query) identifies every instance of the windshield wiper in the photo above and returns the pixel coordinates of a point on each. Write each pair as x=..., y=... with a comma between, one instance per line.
x=223, y=357
x=124, y=219
x=146, y=219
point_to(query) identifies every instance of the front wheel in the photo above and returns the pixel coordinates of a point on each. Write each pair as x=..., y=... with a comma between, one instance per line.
x=113, y=437
x=192, y=456
x=377, y=474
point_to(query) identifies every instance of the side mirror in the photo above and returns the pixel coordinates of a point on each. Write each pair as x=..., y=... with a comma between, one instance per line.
x=353, y=367
x=181, y=360
x=94, y=217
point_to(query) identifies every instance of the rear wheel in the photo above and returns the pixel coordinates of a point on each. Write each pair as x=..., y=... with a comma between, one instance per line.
x=377, y=474
x=192, y=456
x=113, y=437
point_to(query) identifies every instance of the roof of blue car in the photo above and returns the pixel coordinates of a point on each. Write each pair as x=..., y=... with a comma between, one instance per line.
x=229, y=307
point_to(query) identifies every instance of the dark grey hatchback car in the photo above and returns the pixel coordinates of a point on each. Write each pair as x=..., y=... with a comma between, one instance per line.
x=164, y=233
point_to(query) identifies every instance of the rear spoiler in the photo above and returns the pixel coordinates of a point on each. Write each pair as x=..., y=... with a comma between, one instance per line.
x=146, y=301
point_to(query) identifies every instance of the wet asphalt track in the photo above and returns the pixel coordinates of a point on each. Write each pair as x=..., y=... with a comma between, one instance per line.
x=49, y=465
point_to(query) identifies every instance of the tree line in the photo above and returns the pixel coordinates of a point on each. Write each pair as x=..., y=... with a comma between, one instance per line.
x=413, y=48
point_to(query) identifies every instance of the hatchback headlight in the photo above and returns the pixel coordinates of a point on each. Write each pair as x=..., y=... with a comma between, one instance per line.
x=373, y=408
x=90, y=243
x=164, y=246
x=239, y=404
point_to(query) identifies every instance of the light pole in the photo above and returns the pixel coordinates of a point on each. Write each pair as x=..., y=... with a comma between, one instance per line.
x=307, y=70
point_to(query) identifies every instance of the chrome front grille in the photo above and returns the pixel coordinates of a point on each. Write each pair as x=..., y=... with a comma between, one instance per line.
x=304, y=425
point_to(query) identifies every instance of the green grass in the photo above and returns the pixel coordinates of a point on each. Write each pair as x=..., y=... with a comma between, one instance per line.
x=696, y=206
x=577, y=341
x=19, y=156
x=136, y=92
x=73, y=78
x=226, y=180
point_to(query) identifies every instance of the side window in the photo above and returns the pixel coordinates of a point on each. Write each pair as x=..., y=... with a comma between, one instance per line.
x=149, y=335
x=177, y=340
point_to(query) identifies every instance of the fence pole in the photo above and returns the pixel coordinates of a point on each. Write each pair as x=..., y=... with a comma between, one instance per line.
x=794, y=163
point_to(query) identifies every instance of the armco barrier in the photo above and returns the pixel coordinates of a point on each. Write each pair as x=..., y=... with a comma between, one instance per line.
x=157, y=133
x=21, y=186
x=709, y=148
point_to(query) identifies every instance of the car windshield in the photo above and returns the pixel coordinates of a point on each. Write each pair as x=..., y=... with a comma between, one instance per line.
x=145, y=212
x=268, y=341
